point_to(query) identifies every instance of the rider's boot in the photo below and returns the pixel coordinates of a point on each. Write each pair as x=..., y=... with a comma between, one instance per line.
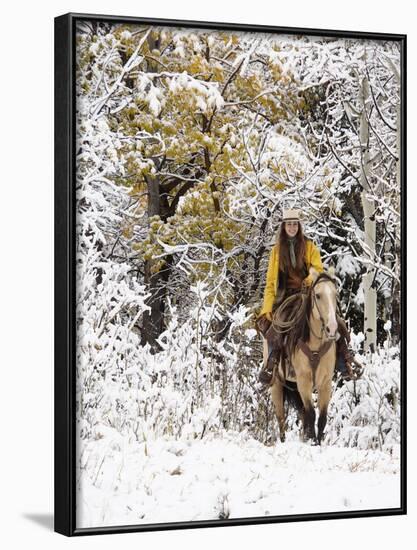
x=346, y=364
x=265, y=376
x=267, y=371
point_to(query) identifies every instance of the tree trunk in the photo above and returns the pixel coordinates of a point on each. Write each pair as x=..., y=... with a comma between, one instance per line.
x=153, y=321
x=370, y=227
x=396, y=298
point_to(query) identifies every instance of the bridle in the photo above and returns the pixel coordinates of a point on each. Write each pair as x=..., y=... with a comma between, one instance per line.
x=315, y=303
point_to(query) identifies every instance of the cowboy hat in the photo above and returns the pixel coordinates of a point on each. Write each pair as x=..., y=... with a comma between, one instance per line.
x=290, y=214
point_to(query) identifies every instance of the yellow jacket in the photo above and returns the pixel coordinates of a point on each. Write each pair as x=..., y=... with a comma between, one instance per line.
x=312, y=259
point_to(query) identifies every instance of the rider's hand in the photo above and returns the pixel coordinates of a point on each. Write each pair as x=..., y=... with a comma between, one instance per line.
x=269, y=316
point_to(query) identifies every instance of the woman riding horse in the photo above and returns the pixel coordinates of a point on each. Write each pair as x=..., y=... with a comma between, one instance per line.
x=288, y=273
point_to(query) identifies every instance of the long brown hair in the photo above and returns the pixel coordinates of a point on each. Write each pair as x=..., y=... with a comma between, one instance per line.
x=284, y=254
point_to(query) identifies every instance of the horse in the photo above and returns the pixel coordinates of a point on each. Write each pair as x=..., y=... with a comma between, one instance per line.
x=310, y=349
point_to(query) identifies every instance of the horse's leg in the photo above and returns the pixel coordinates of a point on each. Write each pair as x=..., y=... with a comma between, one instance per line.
x=277, y=396
x=305, y=388
x=324, y=394
x=324, y=377
x=323, y=402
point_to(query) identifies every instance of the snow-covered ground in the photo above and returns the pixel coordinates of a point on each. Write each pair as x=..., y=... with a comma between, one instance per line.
x=122, y=482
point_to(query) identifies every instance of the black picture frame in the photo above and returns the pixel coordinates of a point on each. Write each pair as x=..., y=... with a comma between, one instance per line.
x=65, y=274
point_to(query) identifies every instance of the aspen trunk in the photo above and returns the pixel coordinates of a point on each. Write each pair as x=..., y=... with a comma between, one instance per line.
x=370, y=298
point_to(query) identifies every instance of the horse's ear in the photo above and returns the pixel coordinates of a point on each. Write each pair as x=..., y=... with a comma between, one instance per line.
x=331, y=271
x=313, y=273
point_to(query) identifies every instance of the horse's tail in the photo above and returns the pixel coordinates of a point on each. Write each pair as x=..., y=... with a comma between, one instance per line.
x=292, y=396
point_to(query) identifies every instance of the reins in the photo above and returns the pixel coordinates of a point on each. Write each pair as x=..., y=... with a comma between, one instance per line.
x=320, y=316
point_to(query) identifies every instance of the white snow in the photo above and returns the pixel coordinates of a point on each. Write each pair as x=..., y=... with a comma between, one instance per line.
x=165, y=480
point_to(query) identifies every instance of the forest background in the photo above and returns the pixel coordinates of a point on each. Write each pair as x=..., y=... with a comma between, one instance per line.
x=190, y=142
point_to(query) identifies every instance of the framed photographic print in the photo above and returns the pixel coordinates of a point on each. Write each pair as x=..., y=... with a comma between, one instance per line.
x=230, y=274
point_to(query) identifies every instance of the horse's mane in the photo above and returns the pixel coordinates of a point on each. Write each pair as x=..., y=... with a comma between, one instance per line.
x=301, y=329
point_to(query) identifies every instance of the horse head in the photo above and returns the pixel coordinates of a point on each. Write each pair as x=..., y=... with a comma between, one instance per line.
x=323, y=302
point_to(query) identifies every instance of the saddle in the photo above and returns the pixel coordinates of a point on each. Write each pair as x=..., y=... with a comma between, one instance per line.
x=276, y=340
